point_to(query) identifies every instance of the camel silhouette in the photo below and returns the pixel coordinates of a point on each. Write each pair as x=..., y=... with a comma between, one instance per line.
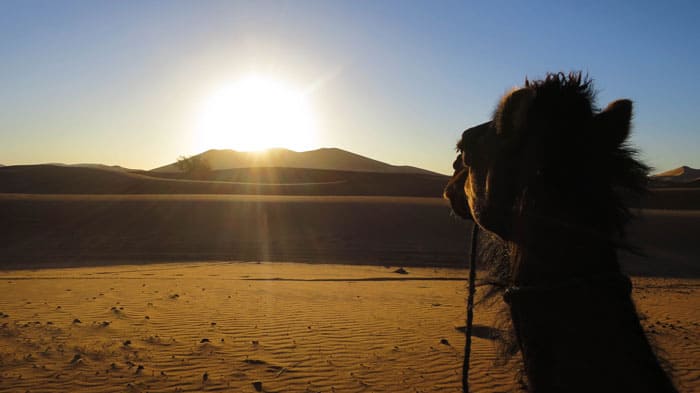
x=550, y=175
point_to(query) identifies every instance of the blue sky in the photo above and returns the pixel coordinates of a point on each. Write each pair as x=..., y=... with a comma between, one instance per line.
x=118, y=82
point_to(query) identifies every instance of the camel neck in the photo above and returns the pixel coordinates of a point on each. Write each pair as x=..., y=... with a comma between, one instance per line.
x=547, y=252
x=570, y=304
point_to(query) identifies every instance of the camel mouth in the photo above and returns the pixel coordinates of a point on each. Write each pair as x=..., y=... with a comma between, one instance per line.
x=454, y=192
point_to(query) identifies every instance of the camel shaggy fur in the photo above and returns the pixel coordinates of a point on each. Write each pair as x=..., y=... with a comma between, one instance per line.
x=550, y=175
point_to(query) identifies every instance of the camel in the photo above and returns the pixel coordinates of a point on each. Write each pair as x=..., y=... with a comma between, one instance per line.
x=549, y=175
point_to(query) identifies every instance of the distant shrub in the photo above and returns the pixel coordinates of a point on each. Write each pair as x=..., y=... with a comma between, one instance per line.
x=195, y=167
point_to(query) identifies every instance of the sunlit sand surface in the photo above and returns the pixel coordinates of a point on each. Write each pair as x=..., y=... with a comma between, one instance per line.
x=277, y=327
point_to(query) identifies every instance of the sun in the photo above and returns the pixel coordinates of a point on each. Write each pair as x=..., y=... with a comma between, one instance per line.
x=256, y=113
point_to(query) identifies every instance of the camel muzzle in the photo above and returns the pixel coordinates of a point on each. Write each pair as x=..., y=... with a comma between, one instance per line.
x=454, y=192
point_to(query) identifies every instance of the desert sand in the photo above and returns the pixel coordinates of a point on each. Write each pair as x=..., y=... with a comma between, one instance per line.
x=114, y=181
x=85, y=230
x=185, y=327
x=52, y=179
x=60, y=230
x=167, y=293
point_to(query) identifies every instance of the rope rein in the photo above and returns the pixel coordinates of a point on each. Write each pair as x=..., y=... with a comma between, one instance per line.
x=470, y=309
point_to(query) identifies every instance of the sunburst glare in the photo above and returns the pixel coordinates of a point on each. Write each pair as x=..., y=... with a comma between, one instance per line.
x=256, y=113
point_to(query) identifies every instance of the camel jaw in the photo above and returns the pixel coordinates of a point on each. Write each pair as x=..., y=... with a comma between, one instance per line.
x=454, y=192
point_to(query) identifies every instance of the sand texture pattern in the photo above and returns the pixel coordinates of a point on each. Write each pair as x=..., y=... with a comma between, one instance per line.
x=275, y=327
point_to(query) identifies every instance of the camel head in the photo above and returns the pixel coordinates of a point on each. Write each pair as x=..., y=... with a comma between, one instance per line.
x=546, y=141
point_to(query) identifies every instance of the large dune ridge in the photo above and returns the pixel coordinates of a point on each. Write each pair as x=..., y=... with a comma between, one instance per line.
x=681, y=174
x=53, y=179
x=91, y=179
x=681, y=177
x=324, y=158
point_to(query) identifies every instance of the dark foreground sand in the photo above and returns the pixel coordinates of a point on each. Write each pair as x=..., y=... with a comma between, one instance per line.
x=87, y=230
x=55, y=230
x=292, y=327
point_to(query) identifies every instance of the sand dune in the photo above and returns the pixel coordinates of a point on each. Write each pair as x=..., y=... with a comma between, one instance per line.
x=324, y=158
x=681, y=174
x=349, y=329
x=50, y=179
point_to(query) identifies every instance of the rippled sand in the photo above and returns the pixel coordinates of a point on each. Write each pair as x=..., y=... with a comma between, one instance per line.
x=290, y=327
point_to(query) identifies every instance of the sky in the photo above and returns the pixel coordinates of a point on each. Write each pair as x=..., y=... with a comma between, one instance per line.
x=120, y=82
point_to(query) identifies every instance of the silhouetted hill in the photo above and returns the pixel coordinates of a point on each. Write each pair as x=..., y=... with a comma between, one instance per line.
x=326, y=158
x=683, y=176
x=683, y=172
x=102, y=166
x=52, y=179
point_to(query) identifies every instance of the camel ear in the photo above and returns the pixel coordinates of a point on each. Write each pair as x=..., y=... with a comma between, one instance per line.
x=613, y=123
x=512, y=112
